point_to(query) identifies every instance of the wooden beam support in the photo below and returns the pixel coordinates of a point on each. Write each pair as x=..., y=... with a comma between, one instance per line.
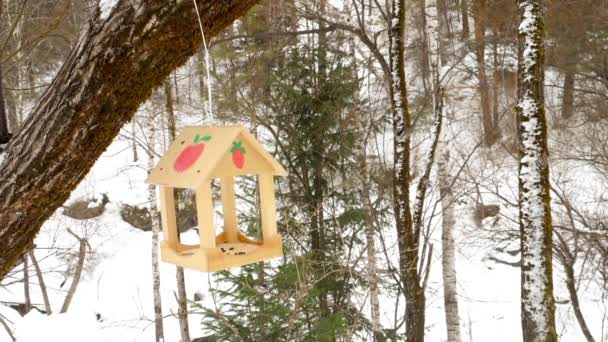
x=168, y=218
x=229, y=203
x=268, y=206
x=204, y=209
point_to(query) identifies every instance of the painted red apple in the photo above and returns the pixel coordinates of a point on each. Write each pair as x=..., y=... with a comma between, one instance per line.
x=191, y=153
x=238, y=154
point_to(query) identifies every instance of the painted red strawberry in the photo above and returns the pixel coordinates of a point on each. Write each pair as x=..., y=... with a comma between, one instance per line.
x=191, y=153
x=238, y=154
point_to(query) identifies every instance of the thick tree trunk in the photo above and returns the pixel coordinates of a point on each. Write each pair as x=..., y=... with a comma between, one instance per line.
x=448, y=247
x=489, y=130
x=537, y=303
x=113, y=68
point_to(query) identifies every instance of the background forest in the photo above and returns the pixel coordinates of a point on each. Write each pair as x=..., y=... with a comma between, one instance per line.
x=319, y=83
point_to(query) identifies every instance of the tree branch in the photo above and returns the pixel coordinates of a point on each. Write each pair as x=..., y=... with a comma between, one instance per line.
x=112, y=69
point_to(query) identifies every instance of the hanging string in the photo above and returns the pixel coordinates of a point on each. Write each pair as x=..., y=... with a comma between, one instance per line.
x=210, y=117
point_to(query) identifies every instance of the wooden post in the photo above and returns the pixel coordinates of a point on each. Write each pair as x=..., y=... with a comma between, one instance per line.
x=268, y=206
x=204, y=210
x=229, y=204
x=168, y=219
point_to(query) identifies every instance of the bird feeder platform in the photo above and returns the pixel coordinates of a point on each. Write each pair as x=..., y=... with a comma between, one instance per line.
x=224, y=255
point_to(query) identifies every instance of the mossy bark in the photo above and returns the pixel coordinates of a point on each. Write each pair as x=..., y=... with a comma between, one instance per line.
x=537, y=302
x=408, y=240
x=113, y=68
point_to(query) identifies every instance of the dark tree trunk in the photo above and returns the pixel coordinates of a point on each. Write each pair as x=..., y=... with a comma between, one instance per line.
x=5, y=135
x=495, y=83
x=444, y=31
x=490, y=133
x=425, y=64
x=568, y=97
x=4, y=132
x=112, y=69
x=568, y=263
x=407, y=240
x=464, y=12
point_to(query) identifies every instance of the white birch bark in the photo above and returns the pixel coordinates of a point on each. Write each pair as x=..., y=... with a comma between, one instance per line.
x=158, y=312
x=448, y=249
x=448, y=220
x=372, y=265
x=82, y=250
x=26, y=282
x=182, y=297
x=45, y=295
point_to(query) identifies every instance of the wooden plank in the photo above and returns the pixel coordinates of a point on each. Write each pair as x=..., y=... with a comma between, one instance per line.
x=268, y=206
x=168, y=218
x=229, y=208
x=204, y=210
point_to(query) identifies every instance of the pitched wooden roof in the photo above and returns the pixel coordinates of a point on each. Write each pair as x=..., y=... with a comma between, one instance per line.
x=200, y=153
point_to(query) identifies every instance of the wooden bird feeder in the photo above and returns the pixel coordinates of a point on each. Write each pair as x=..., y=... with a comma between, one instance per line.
x=196, y=157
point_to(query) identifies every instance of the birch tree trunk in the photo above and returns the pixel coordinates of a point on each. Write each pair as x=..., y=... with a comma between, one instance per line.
x=26, y=284
x=82, y=250
x=372, y=267
x=116, y=63
x=45, y=295
x=448, y=248
x=182, y=296
x=158, y=311
x=537, y=303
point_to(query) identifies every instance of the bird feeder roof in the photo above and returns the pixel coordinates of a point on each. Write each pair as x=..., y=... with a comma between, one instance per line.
x=200, y=153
